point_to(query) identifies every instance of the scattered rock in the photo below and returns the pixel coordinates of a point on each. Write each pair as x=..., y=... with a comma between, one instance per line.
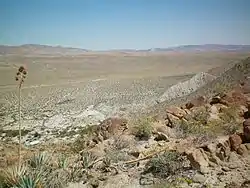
x=246, y=114
x=94, y=183
x=218, y=99
x=199, y=178
x=160, y=127
x=199, y=101
x=112, y=126
x=239, y=97
x=235, y=141
x=247, y=145
x=161, y=137
x=197, y=159
x=147, y=179
x=176, y=111
x=246, y=130
x=35, y=142
x=242, y=150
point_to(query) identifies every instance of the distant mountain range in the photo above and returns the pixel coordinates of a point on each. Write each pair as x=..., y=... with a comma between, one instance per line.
x=34, y=49
x=205, y=47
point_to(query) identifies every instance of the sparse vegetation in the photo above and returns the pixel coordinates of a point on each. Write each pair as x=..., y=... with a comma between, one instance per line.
x=166, y=164
x=86, y=135
x=143, y=129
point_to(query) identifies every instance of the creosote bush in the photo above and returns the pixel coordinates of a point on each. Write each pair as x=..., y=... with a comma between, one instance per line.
x=143, y=129
x=166, y=164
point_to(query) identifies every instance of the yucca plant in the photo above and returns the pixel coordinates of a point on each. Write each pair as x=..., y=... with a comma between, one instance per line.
x=39, y=161
x=87, y=160
x=62, y=162
x=20, y=77
x=29, y=181
x=11, y=176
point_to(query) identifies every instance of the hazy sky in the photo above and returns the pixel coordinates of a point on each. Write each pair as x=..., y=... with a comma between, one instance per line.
x=123, y=24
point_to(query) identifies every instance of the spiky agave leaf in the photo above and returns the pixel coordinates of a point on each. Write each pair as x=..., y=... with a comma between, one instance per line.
x=30, y=181
x=62, y=162
x=13, y=174
x=39, y=161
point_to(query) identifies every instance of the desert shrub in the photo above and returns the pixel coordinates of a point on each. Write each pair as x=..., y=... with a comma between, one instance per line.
x=115, y=155
x=85, y=135
x=166, y=164
x=229, y=115
x=195, y=124
x=120, y=144
x=191, y=127
x=143, y=129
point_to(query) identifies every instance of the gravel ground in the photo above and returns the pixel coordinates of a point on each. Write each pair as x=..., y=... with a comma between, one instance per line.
x=111, y=92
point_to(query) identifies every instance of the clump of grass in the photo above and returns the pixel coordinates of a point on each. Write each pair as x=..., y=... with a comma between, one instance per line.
x=143, y=129
x=166, y=164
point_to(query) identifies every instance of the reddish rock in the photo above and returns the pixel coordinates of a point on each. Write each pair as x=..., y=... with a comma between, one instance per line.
x=112, y=126
x=197, y=158
x=176, y=111
x=246, y=131
x=227, y=97
x=246, y=123
x=199, y=101
x=235, y=141
x=219, y=99
x=239, y=97
x=246, y=89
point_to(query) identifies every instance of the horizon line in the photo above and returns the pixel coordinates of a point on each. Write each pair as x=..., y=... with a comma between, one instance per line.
x=117, y=49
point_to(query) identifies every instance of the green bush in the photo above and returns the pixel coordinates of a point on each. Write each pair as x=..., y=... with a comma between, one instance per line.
x=143, y=129
x=165, y=164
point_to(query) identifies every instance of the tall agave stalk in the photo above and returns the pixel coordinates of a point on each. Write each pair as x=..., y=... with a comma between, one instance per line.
x=20, y=76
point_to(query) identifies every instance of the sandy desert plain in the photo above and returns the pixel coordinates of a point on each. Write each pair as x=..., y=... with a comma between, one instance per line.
x=62, y=91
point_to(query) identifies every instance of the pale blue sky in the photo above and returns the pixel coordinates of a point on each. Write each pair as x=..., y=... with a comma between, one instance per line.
x=124, y=24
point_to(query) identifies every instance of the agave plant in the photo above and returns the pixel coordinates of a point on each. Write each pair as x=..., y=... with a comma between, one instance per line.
x=30, y=181
x=87, y=160
x=62, y=162
x=39, y=161
x=12, y=175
